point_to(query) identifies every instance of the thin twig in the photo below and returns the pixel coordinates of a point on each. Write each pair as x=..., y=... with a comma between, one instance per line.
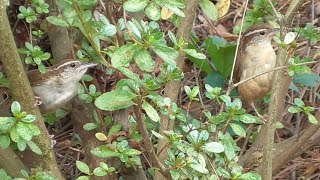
x=271, y=70
x=238, y=43
x=275, y=11
x=235, y=56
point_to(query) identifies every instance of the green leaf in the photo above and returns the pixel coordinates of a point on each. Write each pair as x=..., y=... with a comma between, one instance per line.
x=24, y=132
x=311, y=79
x=15, y=108
x=87, y=4
x=250, y=176
x=248, y=119
x=34, y=147
x=294, y=109
x=55, y=20
x=89, y=126
x=175, y=10
x=299, y=102
x=29, y=118
x=238, y=129
x=215, y=79
x=133, y=28
x=135, y=5
x=312, y=119
x=87, y=78
x=14, y=135
x=83, y=178
x=29, y=46
x=214, y=147
x=222, y=57
x=83, y=167
x=153, y=11
x=144, y=60
x=115, y=100
x=114, y=129
x=222, y=172
x=104, y=152
x=34, y=129
x=22, y=145
x=172, y=37
x=132, y=152
x=166, y=53
x=194, y=53
x=289, y=37
x=123, y=55
x=6, y=123
x=99, y=171
x=151, y=112
x=194, y=91
x=92, y=88
x=108, y=30
x=209, y=9
x=187, y=90
x=4, y=141
x=159, y=136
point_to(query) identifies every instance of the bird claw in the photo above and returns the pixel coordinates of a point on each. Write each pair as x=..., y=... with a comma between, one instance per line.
x=264, y=118
x=38, y=101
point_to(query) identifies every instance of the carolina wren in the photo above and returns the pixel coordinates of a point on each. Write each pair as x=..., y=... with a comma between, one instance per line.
x=59, y=84
x=256, y=55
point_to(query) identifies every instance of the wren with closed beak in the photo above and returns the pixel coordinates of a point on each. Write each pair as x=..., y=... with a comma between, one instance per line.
x=256, y=55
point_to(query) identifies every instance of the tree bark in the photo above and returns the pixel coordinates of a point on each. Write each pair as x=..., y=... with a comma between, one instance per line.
x=58, y=36
x=22, y=92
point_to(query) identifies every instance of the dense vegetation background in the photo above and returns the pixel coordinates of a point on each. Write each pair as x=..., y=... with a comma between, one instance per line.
x=160, y=104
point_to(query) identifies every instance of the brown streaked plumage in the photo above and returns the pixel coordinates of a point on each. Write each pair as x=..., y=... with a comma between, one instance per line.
x=256, y=55
x=59, y=84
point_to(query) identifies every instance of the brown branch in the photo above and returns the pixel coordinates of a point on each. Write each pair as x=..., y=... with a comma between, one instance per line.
x=59, y=38
x=296, y=145
x=148, y=146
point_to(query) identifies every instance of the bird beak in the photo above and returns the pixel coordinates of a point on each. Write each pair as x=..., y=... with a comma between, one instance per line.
x=86, y=65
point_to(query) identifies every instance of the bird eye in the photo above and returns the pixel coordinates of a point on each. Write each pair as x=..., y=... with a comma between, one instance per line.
x=72, y=65
x=262, y=33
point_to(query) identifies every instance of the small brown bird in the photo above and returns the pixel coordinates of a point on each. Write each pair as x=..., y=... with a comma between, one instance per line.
x=256, y=55
x=59, y=84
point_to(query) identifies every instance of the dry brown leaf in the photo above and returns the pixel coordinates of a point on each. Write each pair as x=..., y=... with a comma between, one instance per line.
x=101, y=137
x=223, y=7
x=166, y=13
x=310, y=169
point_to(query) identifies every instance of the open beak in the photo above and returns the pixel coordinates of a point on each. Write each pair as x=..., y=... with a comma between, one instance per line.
x=86, y=65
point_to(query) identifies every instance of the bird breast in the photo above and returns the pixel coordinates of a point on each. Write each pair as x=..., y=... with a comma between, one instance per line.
x=256, y=59
x=53, y=96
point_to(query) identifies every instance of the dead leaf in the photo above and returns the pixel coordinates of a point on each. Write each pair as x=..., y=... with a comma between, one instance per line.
x=223, y=7
x=101, y=137
x=166, y=13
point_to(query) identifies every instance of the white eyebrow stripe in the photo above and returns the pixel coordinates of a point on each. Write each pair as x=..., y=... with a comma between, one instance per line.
x=66, y=63
x=255, y=31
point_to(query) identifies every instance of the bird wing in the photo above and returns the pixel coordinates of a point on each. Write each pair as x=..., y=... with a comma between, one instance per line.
x=35, y=77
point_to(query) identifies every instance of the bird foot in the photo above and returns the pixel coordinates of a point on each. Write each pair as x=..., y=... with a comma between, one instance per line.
x=264, y=118
x=38, y=101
